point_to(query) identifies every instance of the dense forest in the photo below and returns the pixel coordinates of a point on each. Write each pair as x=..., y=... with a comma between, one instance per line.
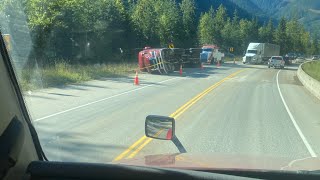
x=83, y=31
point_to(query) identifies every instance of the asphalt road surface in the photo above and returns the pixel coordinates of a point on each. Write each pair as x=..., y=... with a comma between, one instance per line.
x=234, y=109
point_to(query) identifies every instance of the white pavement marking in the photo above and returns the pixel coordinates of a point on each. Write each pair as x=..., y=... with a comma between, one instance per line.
x=305, y=141
x=94, y=102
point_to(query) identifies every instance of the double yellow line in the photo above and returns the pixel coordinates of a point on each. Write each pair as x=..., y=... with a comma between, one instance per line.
x=136, y=147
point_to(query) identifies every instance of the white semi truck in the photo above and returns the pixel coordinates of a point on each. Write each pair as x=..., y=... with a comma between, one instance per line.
x=258, y=53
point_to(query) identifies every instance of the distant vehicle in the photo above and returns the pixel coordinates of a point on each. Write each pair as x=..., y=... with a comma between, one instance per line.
x=258, y=53
x=300, y=59
x=291, y=56
x=211, y=54
x=299, y=55
x=315, y=57
x=276, y=62
x=166, y=60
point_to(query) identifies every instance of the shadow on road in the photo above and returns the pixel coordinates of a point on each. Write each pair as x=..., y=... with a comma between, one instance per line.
x=77, y=147
x=93, y=86
x=42, y=97
x=60, y=94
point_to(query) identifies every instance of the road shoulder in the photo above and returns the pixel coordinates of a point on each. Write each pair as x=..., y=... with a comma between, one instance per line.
x=303, y=105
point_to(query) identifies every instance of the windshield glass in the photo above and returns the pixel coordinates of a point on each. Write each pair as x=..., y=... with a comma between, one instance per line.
x=252, y=51
x=207, y=50
x=91, y=72
x=277, y=58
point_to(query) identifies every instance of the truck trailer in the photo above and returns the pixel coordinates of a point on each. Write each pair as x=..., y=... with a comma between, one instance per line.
x=258, y=53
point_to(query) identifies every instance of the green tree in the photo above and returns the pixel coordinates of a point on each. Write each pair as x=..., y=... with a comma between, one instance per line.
x=263, y=34
x=280, y=36
x=188, y=11
x=145, y=20
x=158, y=23
x=266, y=32
x=294, y=32
x=235, y=18
x=305, y=41
x=227, y=35
x=168, y=21
x=219, y=23
x=206, y=28
x=43, y=16
x=314, y=50
x=235, y=33
x=254, y=30
x=244, y=29
x=270, y=31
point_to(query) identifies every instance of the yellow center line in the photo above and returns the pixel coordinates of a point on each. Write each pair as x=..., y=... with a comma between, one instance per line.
x=175, y=115
x=144, y=144
x=122, y=155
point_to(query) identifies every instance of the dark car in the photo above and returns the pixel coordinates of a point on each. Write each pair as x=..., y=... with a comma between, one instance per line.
x=291, y=56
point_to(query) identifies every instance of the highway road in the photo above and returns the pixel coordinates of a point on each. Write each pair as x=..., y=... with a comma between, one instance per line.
x=238, y=109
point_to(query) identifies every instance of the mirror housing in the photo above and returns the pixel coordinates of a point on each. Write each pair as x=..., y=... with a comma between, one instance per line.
x=160, y=127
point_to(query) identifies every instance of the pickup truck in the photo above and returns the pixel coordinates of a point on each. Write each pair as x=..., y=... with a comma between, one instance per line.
x=276, y=62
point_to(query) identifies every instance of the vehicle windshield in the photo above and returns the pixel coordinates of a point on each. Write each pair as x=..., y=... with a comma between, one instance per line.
x=91, y=72
x=252, y=51
x=277, y=58
x=207, y=50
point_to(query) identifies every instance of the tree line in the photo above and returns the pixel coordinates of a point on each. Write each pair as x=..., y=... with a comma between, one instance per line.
x=91, y=31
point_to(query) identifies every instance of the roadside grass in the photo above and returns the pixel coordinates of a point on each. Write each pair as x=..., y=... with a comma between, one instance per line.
x=312, y=69
x=63, y=73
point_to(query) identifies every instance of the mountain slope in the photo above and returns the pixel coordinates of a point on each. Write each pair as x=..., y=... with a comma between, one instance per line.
x=307, y=11
x=204, y=6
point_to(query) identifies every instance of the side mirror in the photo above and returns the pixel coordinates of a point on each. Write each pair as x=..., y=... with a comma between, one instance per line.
x=160, y=127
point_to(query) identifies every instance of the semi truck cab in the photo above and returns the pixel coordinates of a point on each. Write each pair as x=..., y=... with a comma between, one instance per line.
x=258, y=53
x=208, y=54
x=252, y=54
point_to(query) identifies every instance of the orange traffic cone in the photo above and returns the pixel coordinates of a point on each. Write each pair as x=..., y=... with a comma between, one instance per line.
x=201, y=66
x=180, y=72
x=218, y=64
x=136, y=79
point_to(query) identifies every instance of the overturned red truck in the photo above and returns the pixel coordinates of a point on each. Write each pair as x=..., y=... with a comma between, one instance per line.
x=166, y=60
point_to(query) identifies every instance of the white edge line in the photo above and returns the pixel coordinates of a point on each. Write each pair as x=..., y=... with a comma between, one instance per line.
x=305, y=141
x=94, y=102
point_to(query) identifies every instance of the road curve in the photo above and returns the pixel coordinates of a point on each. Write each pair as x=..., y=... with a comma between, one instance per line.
x=243, y=115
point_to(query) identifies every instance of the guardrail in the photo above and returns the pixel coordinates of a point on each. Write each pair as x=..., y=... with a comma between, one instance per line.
x=310, y=83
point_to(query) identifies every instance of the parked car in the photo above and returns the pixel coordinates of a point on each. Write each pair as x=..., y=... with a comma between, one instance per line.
x=315, y=57
x=276, y=62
